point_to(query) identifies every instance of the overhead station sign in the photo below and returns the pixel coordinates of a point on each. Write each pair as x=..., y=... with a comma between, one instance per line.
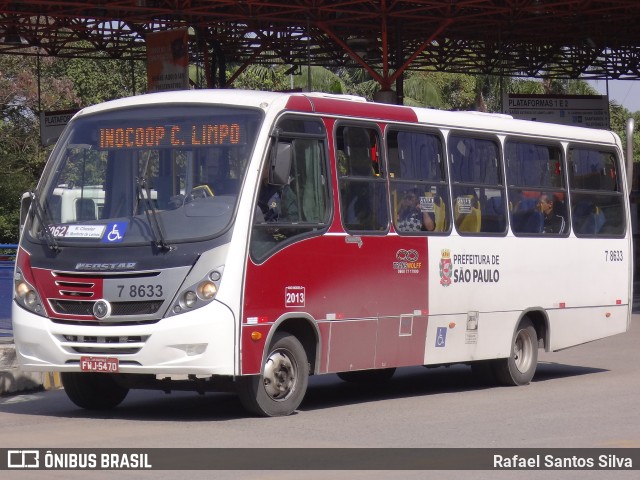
x=580, y=110
x=167, y=60
x=52, y=124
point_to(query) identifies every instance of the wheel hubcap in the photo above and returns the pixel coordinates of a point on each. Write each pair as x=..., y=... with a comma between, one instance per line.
x=280, y=375
x=522, y=352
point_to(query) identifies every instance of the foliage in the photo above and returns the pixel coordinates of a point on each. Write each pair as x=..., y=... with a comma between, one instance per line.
x=62, y=84
x=261, y=77
x=322, y=80
x=21, y=157
x=419, y=92
x=457, y=91
x=99, y=80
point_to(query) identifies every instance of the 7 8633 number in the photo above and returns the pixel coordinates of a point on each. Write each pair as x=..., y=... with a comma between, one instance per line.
x=140, y=291
x=613, y=256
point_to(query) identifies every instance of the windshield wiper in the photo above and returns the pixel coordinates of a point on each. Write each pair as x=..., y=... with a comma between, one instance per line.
x=143, y=195
x=43, y=218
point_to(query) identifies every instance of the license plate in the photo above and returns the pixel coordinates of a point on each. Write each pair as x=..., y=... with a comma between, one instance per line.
x=99, y=364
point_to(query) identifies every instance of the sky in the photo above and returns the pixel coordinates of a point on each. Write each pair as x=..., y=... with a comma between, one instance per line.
x=623, y=92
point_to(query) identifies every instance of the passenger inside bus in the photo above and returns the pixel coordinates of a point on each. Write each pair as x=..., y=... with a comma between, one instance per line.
x=411, y=217
x=553, y=222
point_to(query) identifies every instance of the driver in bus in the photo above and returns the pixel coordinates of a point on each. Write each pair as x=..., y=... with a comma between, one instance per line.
x=277, y=203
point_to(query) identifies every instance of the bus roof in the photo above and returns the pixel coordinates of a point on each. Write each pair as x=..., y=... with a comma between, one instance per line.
x=352, y=106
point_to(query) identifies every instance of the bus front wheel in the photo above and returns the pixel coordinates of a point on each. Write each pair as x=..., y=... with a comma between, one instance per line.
x=93, y=391
x=520, y=366
x=283, y=383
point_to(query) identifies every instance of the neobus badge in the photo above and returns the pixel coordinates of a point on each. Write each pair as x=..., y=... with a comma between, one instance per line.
x=106, y=266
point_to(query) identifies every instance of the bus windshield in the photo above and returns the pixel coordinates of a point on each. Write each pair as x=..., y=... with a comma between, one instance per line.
x=147, y=174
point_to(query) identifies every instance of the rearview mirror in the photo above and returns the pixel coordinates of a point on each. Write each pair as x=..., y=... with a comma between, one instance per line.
x=280, y=167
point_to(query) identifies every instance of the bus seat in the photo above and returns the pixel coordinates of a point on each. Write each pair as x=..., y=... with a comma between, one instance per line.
x=85, y=209
x=358, y=151
x=467, y=214
x=439, y=212
x=527, y=218
x=493, y=216
x=588, y=219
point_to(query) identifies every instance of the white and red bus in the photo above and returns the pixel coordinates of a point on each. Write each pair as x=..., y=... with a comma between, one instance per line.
x=248, y=240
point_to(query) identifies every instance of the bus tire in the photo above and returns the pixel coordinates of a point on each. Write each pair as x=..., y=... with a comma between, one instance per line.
x=93, y=391
x=520, y=366
x=279, y=390
x=367, y=376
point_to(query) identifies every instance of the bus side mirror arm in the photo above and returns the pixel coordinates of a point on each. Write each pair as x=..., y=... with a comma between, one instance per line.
x=25, y=204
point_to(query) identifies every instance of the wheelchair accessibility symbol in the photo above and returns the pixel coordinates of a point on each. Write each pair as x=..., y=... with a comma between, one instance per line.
x=115, y=232
x=441, y=336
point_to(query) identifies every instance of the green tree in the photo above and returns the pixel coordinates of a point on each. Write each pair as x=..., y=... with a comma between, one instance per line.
x=31, y=84
x=102, y=79
x=322, y=80
x=21, y=157
x=261, y=77
x=420, y=92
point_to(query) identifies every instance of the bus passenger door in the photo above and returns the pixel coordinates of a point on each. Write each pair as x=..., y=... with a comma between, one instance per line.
x=364, y=290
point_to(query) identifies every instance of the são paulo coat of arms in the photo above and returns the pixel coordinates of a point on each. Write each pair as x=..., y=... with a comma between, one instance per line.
x=445, y=267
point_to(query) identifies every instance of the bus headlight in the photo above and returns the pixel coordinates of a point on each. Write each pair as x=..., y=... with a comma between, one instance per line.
x=198, y=294
x=22, y=288
x=31, y=299
x=25, y=294
x=207, y=290
x=189, y=299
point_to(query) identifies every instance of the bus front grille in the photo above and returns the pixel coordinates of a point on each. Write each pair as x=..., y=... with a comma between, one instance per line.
x=103, y=345
x=85, y=308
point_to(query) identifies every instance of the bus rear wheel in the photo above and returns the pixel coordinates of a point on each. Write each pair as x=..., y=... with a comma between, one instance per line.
x=283, y=383
x=520, y=366
x=93, y=391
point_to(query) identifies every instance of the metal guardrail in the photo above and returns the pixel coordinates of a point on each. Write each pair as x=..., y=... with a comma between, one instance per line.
x=7, y=262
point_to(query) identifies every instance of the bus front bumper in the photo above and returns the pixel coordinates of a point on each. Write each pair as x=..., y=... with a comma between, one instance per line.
x=195, y=343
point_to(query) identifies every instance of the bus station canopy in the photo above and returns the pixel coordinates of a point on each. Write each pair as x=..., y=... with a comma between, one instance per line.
x=529, y=38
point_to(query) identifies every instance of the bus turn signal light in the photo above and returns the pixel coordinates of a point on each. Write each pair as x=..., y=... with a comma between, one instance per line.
x=255, y=336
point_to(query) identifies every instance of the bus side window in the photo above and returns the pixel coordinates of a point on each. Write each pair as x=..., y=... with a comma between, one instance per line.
x=363, y=197
x=293, y=202
x=597, y=203
x=418, y=184
x=537, y=192
x=477, y=185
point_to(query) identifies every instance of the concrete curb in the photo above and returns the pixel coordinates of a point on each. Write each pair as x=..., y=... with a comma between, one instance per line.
x=14, y=380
